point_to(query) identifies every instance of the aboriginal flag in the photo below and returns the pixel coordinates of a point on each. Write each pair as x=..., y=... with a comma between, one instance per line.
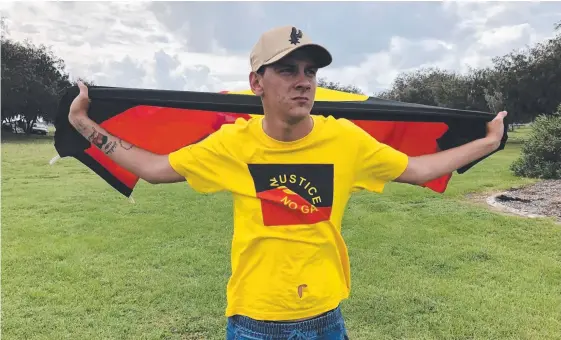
x=162, y=121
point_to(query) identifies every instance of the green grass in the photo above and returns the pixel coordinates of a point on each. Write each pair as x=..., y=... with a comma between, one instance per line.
x=82, y=262
x=520, y=134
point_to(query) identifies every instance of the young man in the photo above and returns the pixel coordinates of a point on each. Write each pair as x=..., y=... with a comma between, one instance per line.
x=291, y=175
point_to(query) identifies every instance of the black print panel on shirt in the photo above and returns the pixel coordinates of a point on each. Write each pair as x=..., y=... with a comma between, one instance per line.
x=293, y=193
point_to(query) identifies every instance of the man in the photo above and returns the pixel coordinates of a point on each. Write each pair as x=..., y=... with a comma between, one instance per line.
x=291, y=175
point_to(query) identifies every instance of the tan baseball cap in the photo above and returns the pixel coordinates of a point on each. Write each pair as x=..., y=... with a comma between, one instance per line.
x=278, y=42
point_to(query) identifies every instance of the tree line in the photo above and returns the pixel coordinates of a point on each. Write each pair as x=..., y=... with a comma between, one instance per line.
x=33, y=80
x=526, y=83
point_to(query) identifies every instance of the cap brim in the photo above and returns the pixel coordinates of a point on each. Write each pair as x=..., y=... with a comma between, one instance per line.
x=319, y=54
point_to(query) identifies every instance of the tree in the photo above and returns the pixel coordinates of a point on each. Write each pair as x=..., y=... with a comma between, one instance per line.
x=322, y=82
x=541, y=152
x=436, y=87
x=525, y=83
x=530, y=80
x=3, y=27
x=32, y=79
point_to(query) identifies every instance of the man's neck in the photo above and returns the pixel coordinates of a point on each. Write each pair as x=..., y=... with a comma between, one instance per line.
x=287, y=131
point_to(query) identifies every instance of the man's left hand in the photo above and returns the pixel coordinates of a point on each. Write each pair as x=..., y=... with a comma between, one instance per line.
x=495, y=128
x=422, y=169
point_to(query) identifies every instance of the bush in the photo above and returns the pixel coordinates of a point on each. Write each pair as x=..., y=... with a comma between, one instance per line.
x=541, y=152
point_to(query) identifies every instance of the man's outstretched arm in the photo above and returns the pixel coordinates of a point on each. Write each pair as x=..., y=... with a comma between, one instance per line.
x=422, y=169
x=149, y=166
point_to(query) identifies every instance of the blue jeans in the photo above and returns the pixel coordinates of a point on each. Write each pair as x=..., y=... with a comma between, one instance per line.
x=328, y=326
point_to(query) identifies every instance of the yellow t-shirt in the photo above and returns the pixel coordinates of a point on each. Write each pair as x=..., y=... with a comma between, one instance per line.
x=289, y=260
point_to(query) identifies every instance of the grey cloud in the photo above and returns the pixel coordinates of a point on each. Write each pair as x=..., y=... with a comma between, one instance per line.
x=198, y=78
x=165, y=64
x=123, y=73
x=158, y=39
x=128, y=72
x=96, y=68
x=29, y=29
x=193, y=23
x=65, y=28
x=358, y=34
x=479, y=23
x=349, y=31
x=542, y=15
x=116, y=37
x=31, y=9
x=132, y=22
x=62, y=24
x=74, y=42
x=169, y=76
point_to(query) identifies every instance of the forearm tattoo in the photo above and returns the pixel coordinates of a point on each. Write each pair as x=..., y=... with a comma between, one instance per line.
x=106, y=145
x=102, y=142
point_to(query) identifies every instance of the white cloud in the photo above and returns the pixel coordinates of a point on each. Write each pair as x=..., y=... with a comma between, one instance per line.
x=476, y=39
x=378, y=70
x=130, y=50
x=150, y=45
x=475, y=14
x=502, y=35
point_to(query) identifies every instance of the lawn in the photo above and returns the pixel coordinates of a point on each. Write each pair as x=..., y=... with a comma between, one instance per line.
x=82, y=262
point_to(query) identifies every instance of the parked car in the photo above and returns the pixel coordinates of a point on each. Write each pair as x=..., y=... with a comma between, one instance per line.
x=39, y=128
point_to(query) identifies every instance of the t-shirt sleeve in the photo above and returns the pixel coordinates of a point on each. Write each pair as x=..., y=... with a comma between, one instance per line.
x=206, y=164
x=377, y=163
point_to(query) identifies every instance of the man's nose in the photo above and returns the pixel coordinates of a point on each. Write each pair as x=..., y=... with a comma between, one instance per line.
x=303, y=81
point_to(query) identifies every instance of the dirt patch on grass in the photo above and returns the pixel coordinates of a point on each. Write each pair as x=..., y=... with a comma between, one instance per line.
x=541, y=199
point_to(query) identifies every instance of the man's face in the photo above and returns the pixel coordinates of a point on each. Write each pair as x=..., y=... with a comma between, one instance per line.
x=287, y=87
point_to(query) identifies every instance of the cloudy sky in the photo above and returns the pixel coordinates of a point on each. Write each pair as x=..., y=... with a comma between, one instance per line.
x=205, y=46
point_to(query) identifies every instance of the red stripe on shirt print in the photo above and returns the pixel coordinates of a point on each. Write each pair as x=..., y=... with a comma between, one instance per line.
x=282, y=206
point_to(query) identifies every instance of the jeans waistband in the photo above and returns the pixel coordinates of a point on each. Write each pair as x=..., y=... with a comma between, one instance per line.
x=321, y=322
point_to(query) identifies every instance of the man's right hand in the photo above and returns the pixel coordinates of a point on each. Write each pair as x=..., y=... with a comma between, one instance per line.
x=80, y=104
x=151, y=167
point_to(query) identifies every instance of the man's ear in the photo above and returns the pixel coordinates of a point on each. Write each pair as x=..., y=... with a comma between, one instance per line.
x=255, y=82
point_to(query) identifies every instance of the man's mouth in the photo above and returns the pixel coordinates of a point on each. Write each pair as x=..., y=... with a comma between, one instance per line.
x=300, y=99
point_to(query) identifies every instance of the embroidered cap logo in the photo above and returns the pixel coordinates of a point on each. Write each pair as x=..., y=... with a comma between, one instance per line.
x=295, y=36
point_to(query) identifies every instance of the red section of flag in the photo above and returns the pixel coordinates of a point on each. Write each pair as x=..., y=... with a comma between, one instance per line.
x=163, y=130
x=160, y=130
x=123, y=175
x=411, y=138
